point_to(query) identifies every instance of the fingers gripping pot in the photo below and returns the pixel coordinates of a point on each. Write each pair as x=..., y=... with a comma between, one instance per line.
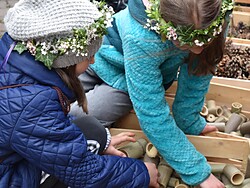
x=135, y=149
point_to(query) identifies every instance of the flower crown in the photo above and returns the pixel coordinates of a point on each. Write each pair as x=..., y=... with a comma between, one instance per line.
x=47, y=51
x=185, y=34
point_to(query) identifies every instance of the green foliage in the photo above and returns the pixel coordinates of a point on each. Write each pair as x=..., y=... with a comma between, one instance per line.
x=47, y=59
x=20, y=48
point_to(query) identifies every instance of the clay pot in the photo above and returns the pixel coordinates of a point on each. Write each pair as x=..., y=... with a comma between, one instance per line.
x=236, y=107
x=165, y=172
x=135, y=149
x=234, y=175
x=151, y=150
x=214, y=109
x=233, y=123
x=220, y=126
x=204, y=111
x=245, y=128
x=211, y=118
x=154, y=160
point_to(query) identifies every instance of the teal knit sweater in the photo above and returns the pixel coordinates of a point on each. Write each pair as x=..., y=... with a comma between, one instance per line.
x=135, y=60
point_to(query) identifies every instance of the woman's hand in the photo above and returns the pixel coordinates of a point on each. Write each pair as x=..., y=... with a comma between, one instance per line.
x=153, y=174
x=116, y=140
x=208, y=129
x=212, y=182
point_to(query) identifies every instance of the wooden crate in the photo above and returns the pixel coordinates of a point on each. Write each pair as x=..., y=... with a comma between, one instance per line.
x=239, y=42
x=231, y=82
x=218, y=148
x=223, y=94
x=241, y=12
x=224, y=91
x=241, y=16
x=242, y=1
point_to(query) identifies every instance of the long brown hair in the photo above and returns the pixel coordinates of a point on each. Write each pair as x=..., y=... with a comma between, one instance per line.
x=69, y=77
x=199, y=14
x=210, y=56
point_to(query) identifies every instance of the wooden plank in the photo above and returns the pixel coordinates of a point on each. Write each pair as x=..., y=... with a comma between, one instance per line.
x=239, y=83
x=138, y=133
x=221, y=147
x=218, y=148
x=226, y=135
x=238, y=42
x=172, y=89
x=242, y=8
x=222, y=94
x=129, y=121
x=242, y=1
x=214, y=160
x=226, y=95
x=239, y=16
x=236, y=163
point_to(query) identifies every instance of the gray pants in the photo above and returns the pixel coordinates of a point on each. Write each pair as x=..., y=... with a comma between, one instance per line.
x=105, y=103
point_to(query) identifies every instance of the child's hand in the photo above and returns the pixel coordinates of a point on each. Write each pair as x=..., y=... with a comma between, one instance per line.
x=153, y=174
x=208, y=129
x=212, y=182
x=118, y=139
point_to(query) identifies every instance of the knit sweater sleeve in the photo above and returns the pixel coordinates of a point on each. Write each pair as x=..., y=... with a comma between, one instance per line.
x=46, y=138
x=189, y=101
x=144, y=80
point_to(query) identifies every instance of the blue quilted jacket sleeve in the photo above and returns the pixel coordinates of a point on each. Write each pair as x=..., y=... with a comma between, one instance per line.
x=46, y=138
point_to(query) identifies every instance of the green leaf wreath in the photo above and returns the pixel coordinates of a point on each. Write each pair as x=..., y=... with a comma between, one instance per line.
x=185, y=35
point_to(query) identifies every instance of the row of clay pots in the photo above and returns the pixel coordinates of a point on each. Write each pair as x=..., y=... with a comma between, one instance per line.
x=230, y=175
x=228, y=121
x=141, y=149
x=233, y=122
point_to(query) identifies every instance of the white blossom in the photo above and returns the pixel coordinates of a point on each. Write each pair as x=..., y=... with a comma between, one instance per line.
x=198, y=43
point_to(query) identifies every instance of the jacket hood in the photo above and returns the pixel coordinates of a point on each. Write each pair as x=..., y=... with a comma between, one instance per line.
x=138, y=11
x=27, y=65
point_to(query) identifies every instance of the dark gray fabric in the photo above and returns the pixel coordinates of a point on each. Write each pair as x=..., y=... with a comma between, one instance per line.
x=105, y=103
x=92, y=130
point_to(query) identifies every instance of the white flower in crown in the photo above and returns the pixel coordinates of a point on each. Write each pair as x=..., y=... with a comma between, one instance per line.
x=219, y=29
x=198, y=43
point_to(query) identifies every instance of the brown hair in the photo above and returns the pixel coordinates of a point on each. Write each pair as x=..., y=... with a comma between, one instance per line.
x=210, y=56
x=69, y=77
x=199, y=14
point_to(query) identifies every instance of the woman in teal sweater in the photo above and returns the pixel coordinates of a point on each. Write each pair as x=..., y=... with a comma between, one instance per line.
x=139, y=59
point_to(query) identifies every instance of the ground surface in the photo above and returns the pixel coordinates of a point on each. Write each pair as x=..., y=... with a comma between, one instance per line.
x=4, y=6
